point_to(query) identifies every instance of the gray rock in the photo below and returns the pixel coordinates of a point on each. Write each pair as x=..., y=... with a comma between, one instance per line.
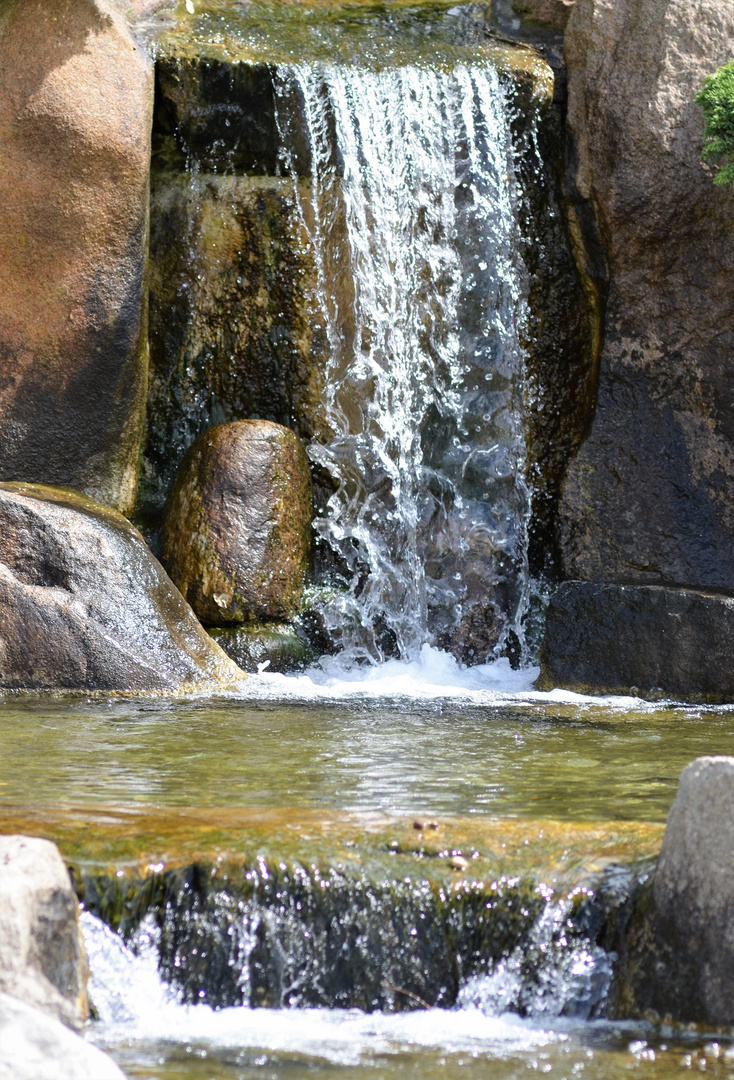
x=650, y=496
x=42, y=958
x=693, y=888
x=85, y=606
x=646, y=640
x=676, y=952
x=34, y=1046
x=278, y=646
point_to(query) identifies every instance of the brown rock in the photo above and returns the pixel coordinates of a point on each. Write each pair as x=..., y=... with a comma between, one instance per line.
x=237, y=528
x=85, y=606
x=650, y=497
x=551, y=13
x=76, y=96
x=42, y=959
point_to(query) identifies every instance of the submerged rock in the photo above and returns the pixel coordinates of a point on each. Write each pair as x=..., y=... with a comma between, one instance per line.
x=34, y=1046
x=42, y=959
x=85, y=606
x=644, y=640
x=677, y=949
x=650, y=496
x=76, y=99
x=278, y=647
x=237, y=528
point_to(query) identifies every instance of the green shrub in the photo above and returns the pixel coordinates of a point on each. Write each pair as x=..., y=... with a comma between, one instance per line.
x=716, y=98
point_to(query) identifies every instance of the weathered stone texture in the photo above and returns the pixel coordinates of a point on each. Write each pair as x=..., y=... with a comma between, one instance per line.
x=34, y=1046
x=85, y=606
x=642, y=639
x=650, y=496
x=76, y=96
x=42, y=959
x=676, y=953
x=237, y=527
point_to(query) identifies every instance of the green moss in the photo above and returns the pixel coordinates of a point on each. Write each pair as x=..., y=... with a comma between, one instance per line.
x=716, y=98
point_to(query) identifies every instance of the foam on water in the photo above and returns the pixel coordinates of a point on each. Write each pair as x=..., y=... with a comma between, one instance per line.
x=432, y=674
x=133, y=1005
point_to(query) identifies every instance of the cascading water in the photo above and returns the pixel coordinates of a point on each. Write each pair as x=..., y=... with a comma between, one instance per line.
x=412, y=224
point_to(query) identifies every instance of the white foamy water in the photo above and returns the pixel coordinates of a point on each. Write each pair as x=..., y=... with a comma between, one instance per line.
x=433, y=673
x=134, y=1006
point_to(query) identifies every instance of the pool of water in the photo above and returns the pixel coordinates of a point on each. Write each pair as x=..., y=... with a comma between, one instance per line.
x=530, y=757
x=302, y=753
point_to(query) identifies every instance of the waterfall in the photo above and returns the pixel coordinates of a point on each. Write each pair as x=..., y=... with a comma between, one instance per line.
x=411, y=220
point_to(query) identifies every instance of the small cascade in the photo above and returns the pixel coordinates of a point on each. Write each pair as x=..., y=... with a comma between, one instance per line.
x=411, y=219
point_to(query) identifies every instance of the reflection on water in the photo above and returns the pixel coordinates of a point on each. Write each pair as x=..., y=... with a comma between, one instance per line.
x=585, y=761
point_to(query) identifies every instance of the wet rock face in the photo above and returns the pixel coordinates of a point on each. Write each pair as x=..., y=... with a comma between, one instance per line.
x=551, y=13
x=677, y=956
x=231, y=333
x=650, y=496
x=34, y=1045
x=646, y=640
x=237, y=527
x=272, y=647
x=85, y=606
x=42, y=960
x=76, y=97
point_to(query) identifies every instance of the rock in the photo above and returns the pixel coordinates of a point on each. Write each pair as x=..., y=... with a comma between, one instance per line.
x=76, y=96
x=34, y=1046
x=551, y=13
x=237, y=527
x=232, y=333
x=645, y=640
x=279, y=647
x=42, y=959
x=85, y=606
x=677, y=958
x=650, y=496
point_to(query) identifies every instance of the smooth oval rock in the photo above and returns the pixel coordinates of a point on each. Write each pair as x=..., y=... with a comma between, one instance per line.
x=237, y=527
x=34, y=1046
x=76, y=100
x=42, y=959
x=85, y=606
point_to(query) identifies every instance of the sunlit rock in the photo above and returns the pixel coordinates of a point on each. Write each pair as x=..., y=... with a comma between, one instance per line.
x=34, y=1046
x=237, y=528
x=76, y=98
x=85, y=606
x=42, y=960
x=644, y=640
x=677, y=949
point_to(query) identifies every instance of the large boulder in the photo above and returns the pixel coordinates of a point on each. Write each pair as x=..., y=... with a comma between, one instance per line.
x=646, y=640
x=677, y=956
x=650, y=496
x=34, y=1046
x=76, y=96
x=42, y=958
x=85, y=606
x=237, y=527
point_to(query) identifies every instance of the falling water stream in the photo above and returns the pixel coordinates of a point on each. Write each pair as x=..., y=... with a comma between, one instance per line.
x=413, y=169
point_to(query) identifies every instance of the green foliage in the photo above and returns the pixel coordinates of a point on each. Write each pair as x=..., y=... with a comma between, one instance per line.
x=716, y=98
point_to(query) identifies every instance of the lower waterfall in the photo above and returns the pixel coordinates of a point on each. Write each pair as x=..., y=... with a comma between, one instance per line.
x=411, y=218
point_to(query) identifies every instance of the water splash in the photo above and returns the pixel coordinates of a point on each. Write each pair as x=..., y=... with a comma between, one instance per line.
x=412, y=223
